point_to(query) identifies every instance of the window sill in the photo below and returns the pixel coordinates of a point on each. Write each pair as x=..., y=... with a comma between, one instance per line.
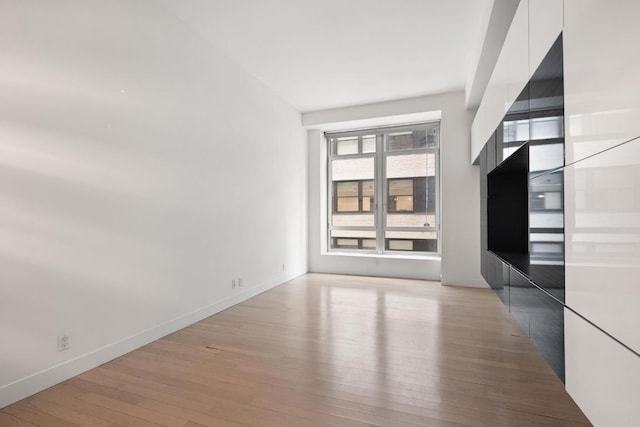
x=416, y=257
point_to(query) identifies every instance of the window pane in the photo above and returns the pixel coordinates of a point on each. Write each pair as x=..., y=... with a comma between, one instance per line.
x=347, y=204
x=368, y=188
x=366, y=204
x=411, y=220
x=368, y=244
x=347, y=189
x=353, y=196
x=345, y=243
x=353, y=239
x=433, y=137
x=361, y=234
x=346, y=146
x=408, y=166
x=353, y=220
x=400, y=187
x=369, y=144
x=400, y=245
x=412, y=241
x=352, y=169
x=407, y=140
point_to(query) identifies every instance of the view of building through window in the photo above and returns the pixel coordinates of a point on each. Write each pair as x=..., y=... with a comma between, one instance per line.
x=383, y=187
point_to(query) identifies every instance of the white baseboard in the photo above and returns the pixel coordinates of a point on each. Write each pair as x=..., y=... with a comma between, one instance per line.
x=25, y=387
x=466, y=283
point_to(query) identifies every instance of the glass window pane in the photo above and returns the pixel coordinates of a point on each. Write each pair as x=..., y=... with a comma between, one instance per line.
x=368, y=188
x=400, y=187
x=367, y=204
x=353, y=196
x=409, y=140
x=411, y=165
x=346, y=146
x=411, y=220
x=433, y=137
x=360, y=234
x=347, y=189
x=353, y=220
x=411, y=195
x=353, y=239
x=368, y=243
x=400, y=245
x=347, y=204
x=369, y=144
x=345, y=243
x=412, y=241
x=352, y=169
x=404, y=203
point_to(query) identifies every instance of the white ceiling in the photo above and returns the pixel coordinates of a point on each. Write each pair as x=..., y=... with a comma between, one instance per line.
x=331, y=53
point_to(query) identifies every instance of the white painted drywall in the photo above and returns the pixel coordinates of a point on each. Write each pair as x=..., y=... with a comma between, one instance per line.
x=140, y=171
x=460, y=223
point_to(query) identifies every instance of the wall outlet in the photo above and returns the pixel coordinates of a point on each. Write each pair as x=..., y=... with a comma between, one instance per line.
x=240, y=282
x=63, y=342
x=284, y=267
x=233, y=283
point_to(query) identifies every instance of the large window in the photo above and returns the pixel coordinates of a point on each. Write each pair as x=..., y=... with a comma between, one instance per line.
x=383, y=189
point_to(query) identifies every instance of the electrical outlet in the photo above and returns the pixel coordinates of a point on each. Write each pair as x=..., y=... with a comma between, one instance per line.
x=284, y=267
x=63, y=342
x=233, y=283
x=240, y=282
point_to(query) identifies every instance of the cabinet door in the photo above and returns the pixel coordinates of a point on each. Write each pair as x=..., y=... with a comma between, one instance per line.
x=602, y=65
x=498, y=277
x=517, y=51
x=483, y=172
x=602, y=226
x=541, y=318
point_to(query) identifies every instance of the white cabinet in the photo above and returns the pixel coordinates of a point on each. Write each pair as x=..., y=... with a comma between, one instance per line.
x=602, y=226
x=602, y=376
x=477, y=134
x=509, y=77
x=496, y=96
x=602, y=69
x=545, y=25
x=516, y=48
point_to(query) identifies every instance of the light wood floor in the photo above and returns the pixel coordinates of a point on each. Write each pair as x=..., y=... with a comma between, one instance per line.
x=324, y=350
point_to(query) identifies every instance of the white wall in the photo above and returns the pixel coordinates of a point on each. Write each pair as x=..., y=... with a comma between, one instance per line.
x=460, y=261
x=140, y=170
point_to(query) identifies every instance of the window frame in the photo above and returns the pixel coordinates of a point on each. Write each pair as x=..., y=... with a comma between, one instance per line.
x=380, y=205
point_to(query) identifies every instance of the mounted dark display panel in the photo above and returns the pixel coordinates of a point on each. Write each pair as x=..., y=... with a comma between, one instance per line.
x=507, y=205
x=522, y=212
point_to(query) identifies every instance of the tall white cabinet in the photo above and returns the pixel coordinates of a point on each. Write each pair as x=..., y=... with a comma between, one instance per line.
x=601, y=45
x=602, y=208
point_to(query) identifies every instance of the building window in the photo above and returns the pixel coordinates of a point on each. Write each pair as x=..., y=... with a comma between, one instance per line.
x=383, y=189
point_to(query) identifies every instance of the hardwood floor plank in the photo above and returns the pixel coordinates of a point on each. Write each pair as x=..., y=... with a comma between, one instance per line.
x=325, y=350
x=8, y=420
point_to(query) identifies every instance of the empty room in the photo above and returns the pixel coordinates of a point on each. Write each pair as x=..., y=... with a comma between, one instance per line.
x=319, y=213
